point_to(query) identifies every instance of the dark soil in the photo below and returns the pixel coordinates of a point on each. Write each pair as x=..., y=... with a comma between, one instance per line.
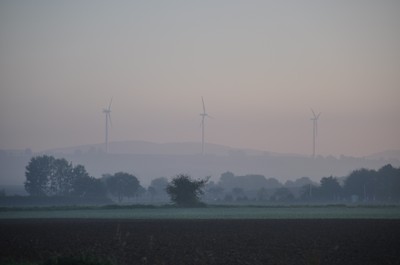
x=204, y=241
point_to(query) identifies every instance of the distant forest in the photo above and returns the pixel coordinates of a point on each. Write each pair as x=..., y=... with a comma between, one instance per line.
x=55, y=181
x=360, y=186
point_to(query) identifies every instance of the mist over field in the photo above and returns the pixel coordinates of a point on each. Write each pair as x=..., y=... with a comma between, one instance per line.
x=148, y=161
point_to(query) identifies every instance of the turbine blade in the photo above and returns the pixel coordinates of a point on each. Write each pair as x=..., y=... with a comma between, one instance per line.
x=204, y=106
x=318, y=115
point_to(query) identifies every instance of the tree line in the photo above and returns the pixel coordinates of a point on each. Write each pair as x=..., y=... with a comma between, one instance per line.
x=47, y=176
x=360, y=186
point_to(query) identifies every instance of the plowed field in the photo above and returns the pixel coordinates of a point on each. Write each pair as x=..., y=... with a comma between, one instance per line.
x=295, y=241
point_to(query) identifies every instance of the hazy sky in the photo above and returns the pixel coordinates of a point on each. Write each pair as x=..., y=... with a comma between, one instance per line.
x=260, y=65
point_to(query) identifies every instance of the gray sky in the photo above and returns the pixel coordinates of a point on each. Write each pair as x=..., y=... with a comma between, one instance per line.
x=260, y=66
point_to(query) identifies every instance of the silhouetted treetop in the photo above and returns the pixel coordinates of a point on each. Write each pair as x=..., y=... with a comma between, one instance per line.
x=185, y=191
x=48, y=176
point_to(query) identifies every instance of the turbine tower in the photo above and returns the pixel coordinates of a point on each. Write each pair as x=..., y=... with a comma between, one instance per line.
x=203, y=116
x=315, y=129
x=107, y=112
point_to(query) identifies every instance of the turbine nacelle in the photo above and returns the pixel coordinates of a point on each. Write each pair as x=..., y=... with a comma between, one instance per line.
x=203, y=116
x=316, y=117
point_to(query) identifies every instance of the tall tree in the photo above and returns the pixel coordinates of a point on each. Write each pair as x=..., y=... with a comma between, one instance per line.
x=361, y=183
x=382, y=185
x=122, y=185
x=38, y=173
x=89, y=187
x=157, y=188
x=159, y=185
x=185, y=191
x=62, y=181
x=48, y=176
x=388, y=183
x=330, y=189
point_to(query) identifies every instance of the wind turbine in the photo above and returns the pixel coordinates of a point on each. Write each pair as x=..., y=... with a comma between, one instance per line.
x=107, y=112
x=315, y=128
x=203, y=116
